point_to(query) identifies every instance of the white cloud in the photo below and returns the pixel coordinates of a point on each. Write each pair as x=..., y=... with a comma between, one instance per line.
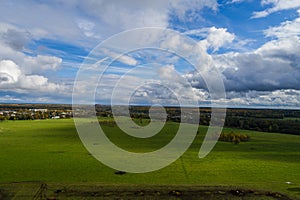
x=9, y=72
x=172, y=42
x=202, y=32
x=12, y=79
x=285, y=29
x=286, y=98
x=136, y=13
x=260, y=14
x=121, y=58
x=40, y=64
x=285, y=49
x=216, y=38
x=167, y=72
x=9, y=98
x=165, y=85
x=213, y=38
x=237, y=1
x=87, y=27
x=181, y=7
x=12, y=47
x=81, y=22
x=277, y=5
x=127, y=60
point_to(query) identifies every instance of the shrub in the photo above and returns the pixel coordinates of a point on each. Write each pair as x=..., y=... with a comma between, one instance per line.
x=236, y=138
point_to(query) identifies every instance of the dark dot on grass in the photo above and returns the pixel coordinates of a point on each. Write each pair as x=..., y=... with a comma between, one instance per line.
x=58, y=191
x=120, y=172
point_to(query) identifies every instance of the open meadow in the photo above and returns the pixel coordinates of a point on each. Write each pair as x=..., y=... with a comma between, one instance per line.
x=50, y=151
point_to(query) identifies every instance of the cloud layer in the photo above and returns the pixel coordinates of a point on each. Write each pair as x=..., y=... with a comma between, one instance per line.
x=41, y=50
x=276, y=5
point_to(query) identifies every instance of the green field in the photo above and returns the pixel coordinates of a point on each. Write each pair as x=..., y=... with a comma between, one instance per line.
x=50, y=151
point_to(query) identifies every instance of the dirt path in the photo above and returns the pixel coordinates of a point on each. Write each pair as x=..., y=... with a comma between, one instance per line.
x=91, y=191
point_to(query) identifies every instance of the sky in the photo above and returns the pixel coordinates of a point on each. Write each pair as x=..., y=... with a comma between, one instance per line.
x=249, y=47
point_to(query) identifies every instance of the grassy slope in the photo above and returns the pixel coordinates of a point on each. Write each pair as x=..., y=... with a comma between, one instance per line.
x=51, y=151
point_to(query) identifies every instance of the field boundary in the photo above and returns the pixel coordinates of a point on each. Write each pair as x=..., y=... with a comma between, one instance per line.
x=40, y=190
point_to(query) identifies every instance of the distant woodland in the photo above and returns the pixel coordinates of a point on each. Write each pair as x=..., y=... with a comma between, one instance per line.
x=266, y=120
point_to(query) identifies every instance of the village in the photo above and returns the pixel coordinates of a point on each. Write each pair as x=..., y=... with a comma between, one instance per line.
x=34, y=113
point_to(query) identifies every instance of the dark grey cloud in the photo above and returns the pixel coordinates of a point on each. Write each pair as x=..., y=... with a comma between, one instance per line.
x=4, y=78
x=255, y=72
x=274, y=66
x=16, y=39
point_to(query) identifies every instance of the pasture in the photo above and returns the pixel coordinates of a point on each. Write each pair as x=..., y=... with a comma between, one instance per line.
x=50, y=151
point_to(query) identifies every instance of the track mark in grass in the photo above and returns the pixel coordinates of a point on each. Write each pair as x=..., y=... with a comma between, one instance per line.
x=219, y=192
x=2, y=195
x=58, y=152
x=295, y=189
x=184, y=169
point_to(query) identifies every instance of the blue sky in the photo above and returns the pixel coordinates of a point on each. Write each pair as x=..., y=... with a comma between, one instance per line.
x=254, y=45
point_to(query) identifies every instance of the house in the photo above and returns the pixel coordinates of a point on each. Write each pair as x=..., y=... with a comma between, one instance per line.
x=55, y=117
x=38, y=110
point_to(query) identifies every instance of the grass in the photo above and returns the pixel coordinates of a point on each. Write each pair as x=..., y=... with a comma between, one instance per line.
x=51, y=151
